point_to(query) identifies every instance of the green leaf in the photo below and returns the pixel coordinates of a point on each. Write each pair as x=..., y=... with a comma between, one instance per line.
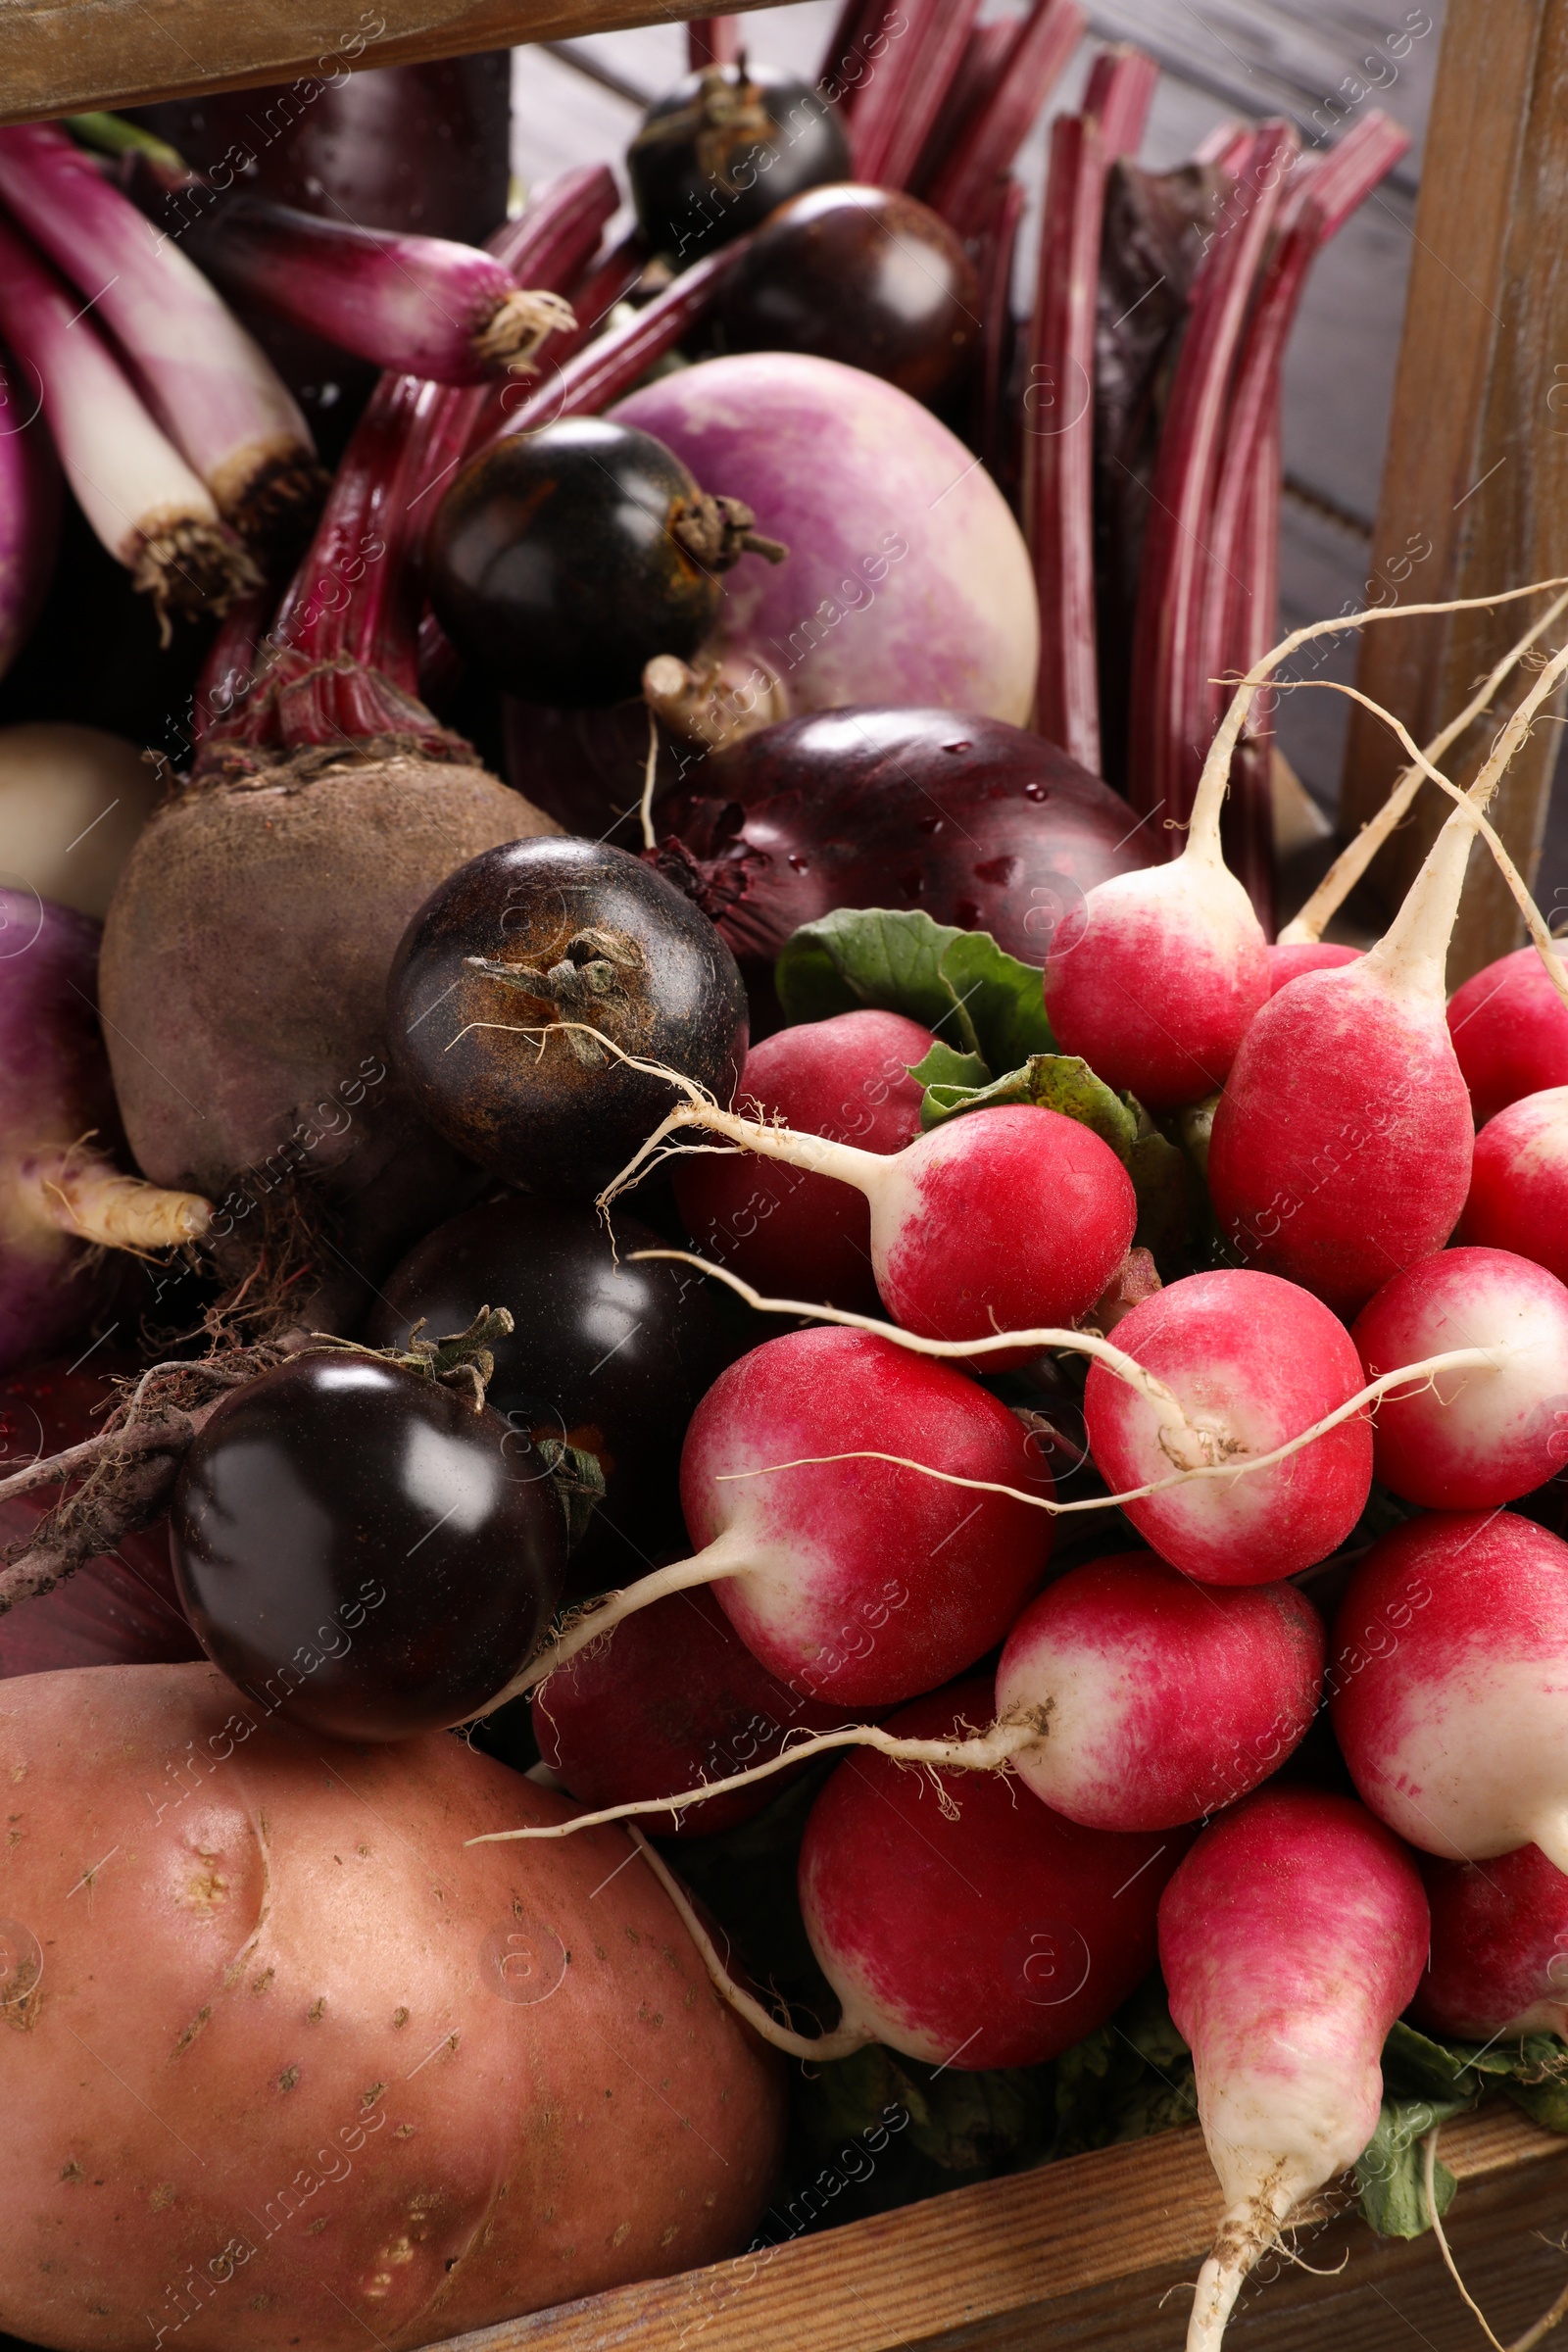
x=960, y=984
x=943, y=1066
x=1054, y=1082
x=1389, y=2173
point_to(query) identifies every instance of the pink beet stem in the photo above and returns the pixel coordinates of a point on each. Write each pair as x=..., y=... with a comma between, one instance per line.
x=587, y=384
x=711, y=41
x=903, y=94
x=993, y=258
x=1028, y=70
x=1168, y=615
x=1059, y=435
x=845, y=61
x=972, y=88
x=1240, y=589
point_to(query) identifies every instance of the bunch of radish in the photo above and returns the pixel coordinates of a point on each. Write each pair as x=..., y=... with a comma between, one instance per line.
x=655, y=1311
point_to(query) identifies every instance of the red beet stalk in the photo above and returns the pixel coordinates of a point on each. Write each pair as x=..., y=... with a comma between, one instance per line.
x=424, y=305
x=711, y=41
x=1240, y=592
x=905, y=87
x=994, y=249
x=1059, y=404
x=855, y=44
x=1028, y=63
x=1170, y=615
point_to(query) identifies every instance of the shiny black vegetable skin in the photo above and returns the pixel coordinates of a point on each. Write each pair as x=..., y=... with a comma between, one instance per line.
x=361, y=1550
x=554, y=566
x=605, y=1354
x=865, y=276
x=725, y=146
x=513, y=969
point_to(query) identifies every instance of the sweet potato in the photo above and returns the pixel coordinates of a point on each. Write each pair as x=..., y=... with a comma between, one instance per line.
x=285, y=2062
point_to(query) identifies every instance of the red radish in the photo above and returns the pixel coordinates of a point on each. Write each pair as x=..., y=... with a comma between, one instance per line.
x=423, y=306
x=1291, y=1938
x=1499, y=1963
x=63, y=1202
x=1156, y=981
x=141, y=498
x=1254, y=1361
x=1484, y=1434
x=216, y=393
x=1127, y=1698
x=848, y=1078
x=1450, y=1683
x=1045, y=1927
x=1305, y=955
x=674, y=1701
x=861, y=1583
x=1510, y=1030
x=1341, y=1146
x=1002, y=1220
x=957, y=1925
x=1519, y=1182
x=1166, y=1701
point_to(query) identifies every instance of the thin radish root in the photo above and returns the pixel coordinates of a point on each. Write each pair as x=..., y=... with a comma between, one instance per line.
x=1456, y=1359
x=1307, y=927
x=988, y=1752
x=842, y=2043
x=1547, y=2321
x=1247, y=2231
x=1473, y=803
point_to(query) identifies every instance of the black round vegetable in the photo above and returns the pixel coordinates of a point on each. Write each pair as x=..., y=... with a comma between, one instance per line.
x=724, y=147
x=361, y=1550
x=860, y=275
x=543, y=933
x=612, y=1357
x=560, y=562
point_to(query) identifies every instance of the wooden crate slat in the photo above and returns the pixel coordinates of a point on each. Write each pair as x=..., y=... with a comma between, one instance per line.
x=1078, y=2252
x=70, y=56
x=1478, y=453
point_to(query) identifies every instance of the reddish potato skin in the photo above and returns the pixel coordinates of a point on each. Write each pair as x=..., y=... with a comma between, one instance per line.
x=269, y=2084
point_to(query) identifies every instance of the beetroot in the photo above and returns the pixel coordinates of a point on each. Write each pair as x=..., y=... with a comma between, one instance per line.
x=981, y=824
x=249, y=938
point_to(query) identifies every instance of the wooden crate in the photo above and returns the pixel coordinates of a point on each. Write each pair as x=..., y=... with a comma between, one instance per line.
x=1099, y=2251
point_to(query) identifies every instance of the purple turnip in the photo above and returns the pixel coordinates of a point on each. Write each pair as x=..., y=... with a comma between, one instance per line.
x=61, y=1203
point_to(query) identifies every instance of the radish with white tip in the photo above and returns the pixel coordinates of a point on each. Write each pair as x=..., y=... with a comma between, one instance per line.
x=1448, y=1683
x=1489, y=1433
x=1291, y=1938
x=1499, y=1948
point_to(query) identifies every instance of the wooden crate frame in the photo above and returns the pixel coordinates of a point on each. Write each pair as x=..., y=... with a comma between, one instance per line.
x=1101, y=2251
x=1098, y=2251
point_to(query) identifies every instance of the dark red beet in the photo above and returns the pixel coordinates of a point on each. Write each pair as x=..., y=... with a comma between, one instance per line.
x=118, y=1611
x=674, y=1698
x=979, y=823
x=791, y=1234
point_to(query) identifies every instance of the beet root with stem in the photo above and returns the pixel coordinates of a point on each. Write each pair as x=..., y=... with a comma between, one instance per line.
x=243, y=978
